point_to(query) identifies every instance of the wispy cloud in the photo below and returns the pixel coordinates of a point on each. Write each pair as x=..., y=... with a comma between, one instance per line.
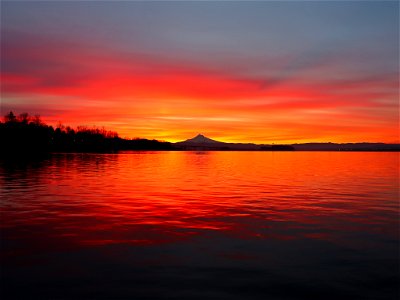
x=335, y=90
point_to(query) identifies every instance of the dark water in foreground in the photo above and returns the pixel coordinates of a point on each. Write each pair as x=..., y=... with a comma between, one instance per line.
x=201, y=225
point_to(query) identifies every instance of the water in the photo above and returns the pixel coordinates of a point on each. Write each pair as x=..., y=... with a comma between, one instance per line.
x=201, y=225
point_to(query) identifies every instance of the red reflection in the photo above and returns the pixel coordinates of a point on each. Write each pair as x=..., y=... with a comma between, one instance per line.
x=145, y=199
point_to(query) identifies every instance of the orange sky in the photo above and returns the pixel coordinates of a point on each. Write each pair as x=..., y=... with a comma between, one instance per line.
x=176, y=102
x=348, y=94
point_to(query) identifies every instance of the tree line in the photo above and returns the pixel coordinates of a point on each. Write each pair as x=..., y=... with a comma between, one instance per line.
x=24, y=133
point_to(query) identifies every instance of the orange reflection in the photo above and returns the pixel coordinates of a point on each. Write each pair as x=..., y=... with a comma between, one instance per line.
x=163, y=197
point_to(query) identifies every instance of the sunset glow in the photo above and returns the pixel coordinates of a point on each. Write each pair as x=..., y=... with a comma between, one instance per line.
x=169, y=71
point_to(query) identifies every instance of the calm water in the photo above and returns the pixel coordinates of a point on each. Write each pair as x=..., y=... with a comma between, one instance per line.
x=201, y=225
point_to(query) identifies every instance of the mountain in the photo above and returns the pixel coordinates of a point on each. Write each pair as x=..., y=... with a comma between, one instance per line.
x=200, y=142
x=201, y=139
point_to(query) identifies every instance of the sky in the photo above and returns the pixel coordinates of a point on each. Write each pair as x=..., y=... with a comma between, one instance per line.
x=235, y=71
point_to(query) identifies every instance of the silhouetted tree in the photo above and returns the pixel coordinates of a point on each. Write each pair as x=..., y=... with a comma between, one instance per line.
x=37, y=120
x=24, y=118
x=10, y=117
x=27, y=134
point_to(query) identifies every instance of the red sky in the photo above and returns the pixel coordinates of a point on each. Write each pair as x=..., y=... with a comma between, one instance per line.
x=175, y=88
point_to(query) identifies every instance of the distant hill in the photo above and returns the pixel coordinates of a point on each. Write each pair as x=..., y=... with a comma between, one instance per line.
x=346, y=147
x=201, y=142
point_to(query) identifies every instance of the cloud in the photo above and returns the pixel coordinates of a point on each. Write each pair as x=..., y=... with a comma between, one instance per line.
x=141, y=94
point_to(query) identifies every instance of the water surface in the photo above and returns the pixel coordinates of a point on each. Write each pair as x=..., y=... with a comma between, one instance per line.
x=201, y=225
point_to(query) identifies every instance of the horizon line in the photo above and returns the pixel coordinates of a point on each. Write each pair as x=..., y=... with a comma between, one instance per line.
x=59, y=123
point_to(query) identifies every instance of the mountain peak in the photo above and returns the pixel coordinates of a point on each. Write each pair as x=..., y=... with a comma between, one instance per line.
x=200, y=136
x=201, y=139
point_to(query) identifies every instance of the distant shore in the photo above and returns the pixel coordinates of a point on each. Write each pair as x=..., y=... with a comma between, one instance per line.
x=25, y=134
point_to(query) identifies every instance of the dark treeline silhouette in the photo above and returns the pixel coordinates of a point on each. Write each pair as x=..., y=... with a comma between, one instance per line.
x=277, y=148
x=29, y=134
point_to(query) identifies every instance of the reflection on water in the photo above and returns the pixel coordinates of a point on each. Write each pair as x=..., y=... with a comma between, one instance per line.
x=201, y=225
